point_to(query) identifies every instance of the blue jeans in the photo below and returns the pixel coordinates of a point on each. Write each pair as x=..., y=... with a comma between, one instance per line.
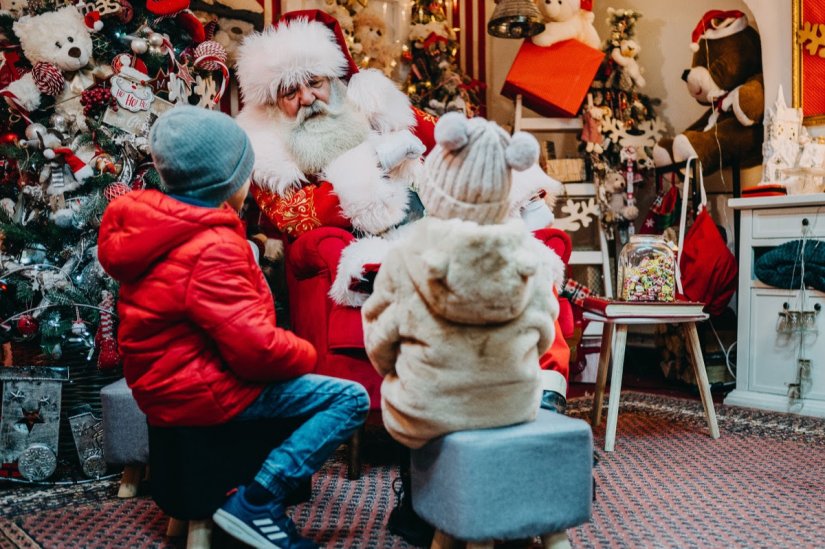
x=334, y=408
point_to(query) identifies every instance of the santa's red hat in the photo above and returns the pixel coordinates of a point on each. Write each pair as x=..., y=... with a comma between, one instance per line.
x=300, y=45
x=79, y=169
x=92, y=20
x=718, y=24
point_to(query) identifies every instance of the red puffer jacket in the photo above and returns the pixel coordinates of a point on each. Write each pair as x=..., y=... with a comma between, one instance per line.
x=197, y=320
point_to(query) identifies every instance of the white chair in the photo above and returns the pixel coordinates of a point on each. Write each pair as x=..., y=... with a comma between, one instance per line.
x=614, y=340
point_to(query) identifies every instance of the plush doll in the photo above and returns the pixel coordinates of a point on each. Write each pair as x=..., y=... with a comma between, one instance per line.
x=230, y=33
x=565, y=20
x=624, y=55
x=54, y=42
x=370, y=31
x=13, y=8
x=727, y=76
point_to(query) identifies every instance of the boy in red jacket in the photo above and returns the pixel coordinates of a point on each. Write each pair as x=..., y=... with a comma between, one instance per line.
x=197, y=320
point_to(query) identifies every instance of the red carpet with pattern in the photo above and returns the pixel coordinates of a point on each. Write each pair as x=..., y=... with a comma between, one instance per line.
x=668, y=484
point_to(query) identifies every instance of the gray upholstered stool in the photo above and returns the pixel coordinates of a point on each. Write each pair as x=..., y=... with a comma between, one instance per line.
x=506, y=483
x=125, y=435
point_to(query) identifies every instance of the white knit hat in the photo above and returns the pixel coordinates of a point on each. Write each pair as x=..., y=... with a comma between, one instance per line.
x=468, y=172
x=300, y=45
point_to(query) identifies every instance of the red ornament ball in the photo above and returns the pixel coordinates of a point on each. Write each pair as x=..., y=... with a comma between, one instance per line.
x=126, y=13
x=115, y=190
x=27, y=325
x=48, y=78
x=211, y=49
x=9, y=138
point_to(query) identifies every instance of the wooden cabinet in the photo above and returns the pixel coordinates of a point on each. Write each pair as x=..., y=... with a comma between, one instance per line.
x=769, y=356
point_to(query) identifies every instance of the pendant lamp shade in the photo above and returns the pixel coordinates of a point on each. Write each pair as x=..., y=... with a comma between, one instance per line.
x=515, y=19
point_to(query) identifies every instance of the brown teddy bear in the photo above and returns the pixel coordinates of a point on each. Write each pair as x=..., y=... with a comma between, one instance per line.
x=726, y=75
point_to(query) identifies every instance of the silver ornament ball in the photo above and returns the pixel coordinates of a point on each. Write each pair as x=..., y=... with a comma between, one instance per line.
x=139, y=46
x=156, y=39
x=156, y=50
x=34, y=130
x=58, y=122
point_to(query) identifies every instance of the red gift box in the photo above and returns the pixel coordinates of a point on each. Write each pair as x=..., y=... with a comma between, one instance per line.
x=553, y=81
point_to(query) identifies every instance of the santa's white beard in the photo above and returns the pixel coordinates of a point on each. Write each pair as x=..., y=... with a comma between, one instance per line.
x=321, y=132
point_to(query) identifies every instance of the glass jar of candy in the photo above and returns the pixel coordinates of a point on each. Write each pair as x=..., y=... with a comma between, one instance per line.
x=647, y=269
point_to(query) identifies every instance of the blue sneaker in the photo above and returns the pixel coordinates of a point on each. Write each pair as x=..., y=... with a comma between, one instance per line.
x=263, y=526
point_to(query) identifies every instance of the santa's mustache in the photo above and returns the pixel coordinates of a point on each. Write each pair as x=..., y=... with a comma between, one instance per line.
x=305, y=113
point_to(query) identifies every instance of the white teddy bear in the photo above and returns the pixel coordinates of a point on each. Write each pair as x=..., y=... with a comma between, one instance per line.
x=565, y=20
x=59, y=38
x=624, y=55
x=230, y=34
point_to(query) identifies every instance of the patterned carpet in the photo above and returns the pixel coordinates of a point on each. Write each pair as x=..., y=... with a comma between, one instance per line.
x=666, y=485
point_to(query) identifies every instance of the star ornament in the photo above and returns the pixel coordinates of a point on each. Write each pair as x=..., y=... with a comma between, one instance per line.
x=161, y=82
x=185, y=75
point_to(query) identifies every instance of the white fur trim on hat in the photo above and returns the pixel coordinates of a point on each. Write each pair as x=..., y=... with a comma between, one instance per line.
x=287, y=55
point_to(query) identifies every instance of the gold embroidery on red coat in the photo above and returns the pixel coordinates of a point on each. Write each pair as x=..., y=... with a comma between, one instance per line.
x=295, y=214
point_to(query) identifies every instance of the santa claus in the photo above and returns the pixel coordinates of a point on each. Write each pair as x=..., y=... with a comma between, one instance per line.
x=333, y=145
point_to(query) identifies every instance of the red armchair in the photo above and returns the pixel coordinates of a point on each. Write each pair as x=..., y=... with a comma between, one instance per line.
x=334, y=330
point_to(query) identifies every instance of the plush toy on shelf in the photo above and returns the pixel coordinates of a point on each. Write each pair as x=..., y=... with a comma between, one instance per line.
x=625, y=55
x=566, y=20
x=370, y=31
x=727, y=76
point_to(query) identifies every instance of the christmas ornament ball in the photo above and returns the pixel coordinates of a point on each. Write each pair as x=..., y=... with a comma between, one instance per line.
x=156, y=39
x=34, y=130
x=58, y=122
x=27, y=325
x=139, y=46
x=126, y=13
x=115, y=190
x=211, y=49
x=9, y=138
x=48, y=78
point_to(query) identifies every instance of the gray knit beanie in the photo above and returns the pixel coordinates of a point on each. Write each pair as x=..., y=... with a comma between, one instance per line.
x=468, y=172
x=201, y=154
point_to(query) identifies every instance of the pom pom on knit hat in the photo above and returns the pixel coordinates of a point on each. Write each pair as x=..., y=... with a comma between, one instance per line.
x=523, y=151
x=468, y=173
x=201, y=154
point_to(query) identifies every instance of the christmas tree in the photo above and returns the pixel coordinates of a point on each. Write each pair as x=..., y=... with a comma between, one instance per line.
x=435, y=83
x=82, y=86
x=620, y=124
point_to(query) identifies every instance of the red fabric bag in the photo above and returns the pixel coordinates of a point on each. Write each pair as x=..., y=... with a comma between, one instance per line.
x=709, y=271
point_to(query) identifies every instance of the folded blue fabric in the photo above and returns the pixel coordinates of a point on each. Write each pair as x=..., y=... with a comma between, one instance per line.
x=782, y=266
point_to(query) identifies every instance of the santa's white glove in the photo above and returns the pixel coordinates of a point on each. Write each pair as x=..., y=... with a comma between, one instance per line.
x=397, y=147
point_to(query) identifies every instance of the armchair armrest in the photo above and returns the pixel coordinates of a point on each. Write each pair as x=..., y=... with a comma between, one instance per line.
x=317, y=251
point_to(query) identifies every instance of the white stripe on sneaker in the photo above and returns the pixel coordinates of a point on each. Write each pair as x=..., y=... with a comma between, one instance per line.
x=268, y=529
x=277, y=536
x=262, y=522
